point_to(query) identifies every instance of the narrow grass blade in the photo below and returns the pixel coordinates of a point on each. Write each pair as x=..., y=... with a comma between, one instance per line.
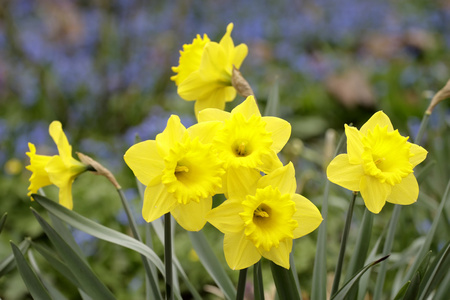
x=401, y=293
x=342, y=293
x=258, y=281
x=8, y=263
x=443, y=289
x=284, y=282
x=34, y=285
x=99, y=231
x=430, y=235
x=87, y=279
x=273, y=101
x=212, y=264
x=242, y=282
x=3, y=221
x=437, y=271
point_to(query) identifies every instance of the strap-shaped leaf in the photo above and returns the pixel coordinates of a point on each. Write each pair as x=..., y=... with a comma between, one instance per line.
x=402, y=291
x=87, y=279
x=342, y=293
x=99, y=231
x=212, y=264
x=34, y=285
x=8, y=263
x=285, y=283
x=437, y=271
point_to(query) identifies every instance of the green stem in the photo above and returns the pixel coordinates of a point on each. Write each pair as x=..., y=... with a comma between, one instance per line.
x=348, y=221
x=319, y=281
x=386, y=250
x=150, y=272
x=394, y=220
x=168, y=256
x=241, y=284
x=258, y=282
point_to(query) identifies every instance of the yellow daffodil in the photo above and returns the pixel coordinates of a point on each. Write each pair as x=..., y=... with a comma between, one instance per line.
x=181, y=173
x=263, y=218
x=247, y=142
x=205, y=69
x=60, y=170
x=379, y=163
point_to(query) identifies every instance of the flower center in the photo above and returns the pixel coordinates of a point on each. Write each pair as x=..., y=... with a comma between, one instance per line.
x=268, y=218
x=242, y=142
x=386, y=155
x=187, y=176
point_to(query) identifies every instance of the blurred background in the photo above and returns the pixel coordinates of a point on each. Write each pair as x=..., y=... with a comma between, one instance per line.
x=103, y=69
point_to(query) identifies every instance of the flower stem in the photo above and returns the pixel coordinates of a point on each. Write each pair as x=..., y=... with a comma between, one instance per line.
x=258, y=282
x=348, y=221
x=154, y=288
x=319, y=281
x=241, y=284
x=168, y=256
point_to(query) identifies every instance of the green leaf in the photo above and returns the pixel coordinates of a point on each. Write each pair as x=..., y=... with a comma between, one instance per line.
x=8, y=263
x=34, y=285
x=402, y=291
x=87, y=279
x=430, y=235
x=437, y=271
x=443, y=290
x=273, y=101
x=3, y=221
x=212, y=264
x=284, y=282
x=361, y=248
x=99, y=231
x=55, y=262
x=342, y=293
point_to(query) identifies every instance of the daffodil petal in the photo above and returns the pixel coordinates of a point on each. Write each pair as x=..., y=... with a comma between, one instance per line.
x=226, y=217
x=406, y=192
x=247, y=108
x=240, y=253
x=281, y=132
x=157, y=202
x=196, y=87
x=240, y=52
x=374, y=193
x=65, y=195
x=342, y=173
x=354, y=145
x=280, y=254
x=419, y=154
x=226, y=42
x=213, y=114
x=192, y=216
x=379, y=118
x=215, y=100
x=214, y=63
x=205, y=131
x=173, y=133
x=144, y=160
x=307, y=216
x=60, y=139
x=283, y=178
x=240, y=182
x=270, y=162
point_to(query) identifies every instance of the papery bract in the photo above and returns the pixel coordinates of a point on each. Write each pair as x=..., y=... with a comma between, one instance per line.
x=181, y=173
x=263, y=218
x=205, y=69
x=60, y=170
x=379, y=163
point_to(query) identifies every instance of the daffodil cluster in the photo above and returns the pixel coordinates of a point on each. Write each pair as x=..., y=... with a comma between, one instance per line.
x=234, y=153
x=379, y=163
x=205, y=69
x=60, y=170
